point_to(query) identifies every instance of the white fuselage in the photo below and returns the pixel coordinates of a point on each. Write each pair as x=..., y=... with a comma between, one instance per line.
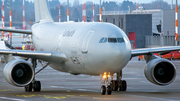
x=81, y=44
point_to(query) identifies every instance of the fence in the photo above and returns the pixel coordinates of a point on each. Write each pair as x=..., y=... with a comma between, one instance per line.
x=159, y=41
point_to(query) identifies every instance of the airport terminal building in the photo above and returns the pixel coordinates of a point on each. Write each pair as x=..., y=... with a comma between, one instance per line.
x=136, y=26
x=141, y=26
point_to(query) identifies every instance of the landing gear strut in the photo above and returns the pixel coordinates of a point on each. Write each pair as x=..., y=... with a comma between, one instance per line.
x=119, y=83
x=114, y=85
x=106, y=88
x=35, y=85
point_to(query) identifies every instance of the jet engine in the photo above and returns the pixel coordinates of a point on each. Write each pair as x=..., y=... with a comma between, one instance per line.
x=160, y=71
x=18, y=73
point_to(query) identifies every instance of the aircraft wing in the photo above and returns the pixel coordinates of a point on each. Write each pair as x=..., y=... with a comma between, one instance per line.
x=16, y=31
x=146, y=51
x=45, y=56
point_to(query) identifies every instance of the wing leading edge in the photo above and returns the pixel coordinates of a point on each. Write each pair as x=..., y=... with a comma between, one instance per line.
x=16, y=31
x=146, y=51
x=45, y=56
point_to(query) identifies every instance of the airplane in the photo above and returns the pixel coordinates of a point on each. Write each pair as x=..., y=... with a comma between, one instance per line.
x=92, y=48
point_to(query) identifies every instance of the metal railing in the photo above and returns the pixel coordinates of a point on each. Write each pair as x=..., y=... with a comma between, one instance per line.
x=159, y=41
x=114, y=12
x=145, y=11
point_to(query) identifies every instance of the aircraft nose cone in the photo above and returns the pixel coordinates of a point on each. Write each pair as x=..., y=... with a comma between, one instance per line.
x=114, y=52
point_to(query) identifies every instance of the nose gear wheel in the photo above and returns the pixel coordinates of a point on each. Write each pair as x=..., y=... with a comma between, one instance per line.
x=114, y=85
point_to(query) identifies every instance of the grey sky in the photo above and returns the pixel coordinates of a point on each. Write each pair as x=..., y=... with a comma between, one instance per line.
x=97, y=1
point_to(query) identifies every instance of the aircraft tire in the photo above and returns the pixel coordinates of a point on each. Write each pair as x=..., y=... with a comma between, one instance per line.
x=103, y=90
x=114, y=85
x=123, y=86
x=109, y=90
x=37, y=86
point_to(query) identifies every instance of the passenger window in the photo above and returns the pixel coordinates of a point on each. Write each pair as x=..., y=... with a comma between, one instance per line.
x=101, y=41
x=112, y=40
x=120, y=40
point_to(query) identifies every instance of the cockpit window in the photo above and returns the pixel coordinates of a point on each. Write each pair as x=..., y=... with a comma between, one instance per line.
x=101, y=41
x=105, y=40
x=112, y=40
x=120, y=40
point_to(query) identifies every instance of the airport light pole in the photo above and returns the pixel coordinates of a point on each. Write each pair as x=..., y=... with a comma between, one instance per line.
x=157, y=6
x=10, y=19
x=136, y=5
x=176, y=24
x=84, y=11
x=129, y=9
x=2, y=17
x=100, y=12
x=172, y=4
x=93, y=10
x=59, y=12
x=24, y=22
x=67, y=10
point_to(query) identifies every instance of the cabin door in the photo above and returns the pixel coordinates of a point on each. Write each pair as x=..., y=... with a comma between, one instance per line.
x=86, y=41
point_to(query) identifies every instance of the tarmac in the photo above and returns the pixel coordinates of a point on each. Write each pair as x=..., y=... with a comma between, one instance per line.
x=66, y=87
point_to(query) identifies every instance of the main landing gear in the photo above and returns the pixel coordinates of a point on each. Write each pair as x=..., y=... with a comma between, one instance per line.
x=35, y=85
x=114, y=85
x=119, y=84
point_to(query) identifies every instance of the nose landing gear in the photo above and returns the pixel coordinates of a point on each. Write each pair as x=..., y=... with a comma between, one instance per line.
x=106, y=88
x=113, y=85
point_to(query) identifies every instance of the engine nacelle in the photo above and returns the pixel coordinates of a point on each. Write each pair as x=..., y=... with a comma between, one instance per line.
x=160, y=71
x=18, y=73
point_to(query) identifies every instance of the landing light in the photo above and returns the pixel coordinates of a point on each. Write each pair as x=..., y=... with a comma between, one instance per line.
x=106, y=75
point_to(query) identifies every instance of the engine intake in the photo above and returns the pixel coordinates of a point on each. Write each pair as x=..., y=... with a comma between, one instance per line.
x=160, y=71
x=18, y=73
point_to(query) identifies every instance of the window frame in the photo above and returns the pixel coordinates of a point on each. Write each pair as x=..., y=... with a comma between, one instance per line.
x=101, y=40
x=121, y=40
x=112, y=41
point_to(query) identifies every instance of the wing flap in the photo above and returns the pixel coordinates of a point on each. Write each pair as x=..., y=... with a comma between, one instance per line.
x=146, y=51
